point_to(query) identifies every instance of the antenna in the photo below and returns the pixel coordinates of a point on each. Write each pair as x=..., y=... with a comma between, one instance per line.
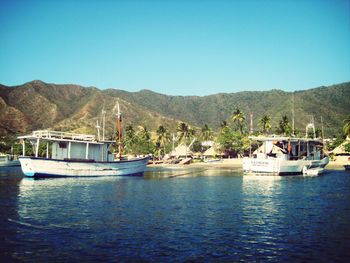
x=103, y=122
x=119, y=131
x=322, y=127
x=251, y=123
x=293, y=125
x=98, y=130
x=114, y=109
x=174, y=142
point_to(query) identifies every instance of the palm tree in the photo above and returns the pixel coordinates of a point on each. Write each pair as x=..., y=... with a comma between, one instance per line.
x=238, y=118
x=182, y=130
x=206, y=133
x=223, y=125
x=185, y=132
x=265, y=123
x=143, y=133
x=346, y=127
x=163, y=136
x=284, y=125
x=130, y=137
x=144, y=143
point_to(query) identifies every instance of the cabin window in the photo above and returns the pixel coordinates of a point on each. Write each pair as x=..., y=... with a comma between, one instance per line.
x=62, y=145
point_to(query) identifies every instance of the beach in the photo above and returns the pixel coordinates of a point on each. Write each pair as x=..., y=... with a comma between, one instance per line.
x=236, y=163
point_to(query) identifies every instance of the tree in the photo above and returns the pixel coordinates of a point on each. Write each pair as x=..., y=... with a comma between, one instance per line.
x=347, y=147
x=206, y=133
x=265, y=123
x=182, y=130
x=225, y=140
x=163, y=137
x=223, y=125
x=346, y=127
x=318, y=133
x=232, y=143
x=144, y=144
x=238, y=118
x=129, y=138
x=185, y=132
x=284, y=126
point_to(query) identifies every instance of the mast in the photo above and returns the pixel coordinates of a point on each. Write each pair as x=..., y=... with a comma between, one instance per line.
x=103, y=123
x=322, y=128
x=293, y=125
x=98, y=130
x=251, y=123
x=173, y=142
x=120, y=132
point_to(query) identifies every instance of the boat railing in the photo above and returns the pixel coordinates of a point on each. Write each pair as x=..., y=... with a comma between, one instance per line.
x=44, y=134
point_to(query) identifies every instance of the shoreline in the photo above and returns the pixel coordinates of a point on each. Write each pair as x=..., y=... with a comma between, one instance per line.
x=236, y=163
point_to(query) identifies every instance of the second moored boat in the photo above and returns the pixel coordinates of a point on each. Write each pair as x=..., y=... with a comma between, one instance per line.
x=286, y=156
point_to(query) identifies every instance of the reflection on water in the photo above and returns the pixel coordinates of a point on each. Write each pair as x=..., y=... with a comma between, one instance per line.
x=176, y=215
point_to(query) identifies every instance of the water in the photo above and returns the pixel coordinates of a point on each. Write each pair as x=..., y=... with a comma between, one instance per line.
x=176, y=215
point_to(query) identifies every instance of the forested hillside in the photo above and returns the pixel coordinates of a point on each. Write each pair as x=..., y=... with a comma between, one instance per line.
x=38, y=105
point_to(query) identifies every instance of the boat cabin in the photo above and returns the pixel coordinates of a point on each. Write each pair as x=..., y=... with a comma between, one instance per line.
x=288, y=148
x=65, y=145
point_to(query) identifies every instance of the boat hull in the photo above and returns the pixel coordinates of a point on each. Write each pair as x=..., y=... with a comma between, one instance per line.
x=280, y=166
x=43, y=167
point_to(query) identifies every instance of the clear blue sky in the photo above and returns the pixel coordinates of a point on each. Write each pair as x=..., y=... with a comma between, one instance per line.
x=176, y=47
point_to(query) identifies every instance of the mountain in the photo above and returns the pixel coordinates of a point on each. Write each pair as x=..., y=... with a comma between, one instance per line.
x=38, y=105
x=331, y=103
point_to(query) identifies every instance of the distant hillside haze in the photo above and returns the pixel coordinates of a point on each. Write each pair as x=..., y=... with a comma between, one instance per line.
x=38, y=105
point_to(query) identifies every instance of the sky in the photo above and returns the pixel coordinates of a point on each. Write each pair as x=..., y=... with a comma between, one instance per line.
x=176, y=47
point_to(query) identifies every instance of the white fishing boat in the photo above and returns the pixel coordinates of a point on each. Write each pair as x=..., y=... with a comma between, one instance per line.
x=9, y=160
x=286, y=155
x=77, y=155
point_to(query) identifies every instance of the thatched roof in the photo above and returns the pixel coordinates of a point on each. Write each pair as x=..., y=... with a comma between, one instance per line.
x=213, y=151
x=181, y=150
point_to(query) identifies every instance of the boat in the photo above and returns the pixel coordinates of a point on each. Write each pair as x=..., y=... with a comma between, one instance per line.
x=312, y=171
x=285, y=156
x=77, y=155
x=9, y=160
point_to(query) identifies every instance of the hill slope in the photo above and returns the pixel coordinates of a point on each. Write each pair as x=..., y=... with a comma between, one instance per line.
x=38, y=105
x=331, y=103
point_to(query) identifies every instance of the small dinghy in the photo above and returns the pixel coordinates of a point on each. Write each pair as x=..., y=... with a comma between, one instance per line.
x=312, y=171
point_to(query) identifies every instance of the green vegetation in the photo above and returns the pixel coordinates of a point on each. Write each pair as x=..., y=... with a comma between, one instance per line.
x=284, y=126
x=347, y=147
x=150, y=118
x=265, y=124
x=163, y=140
x=238, y=118
x=346, y=127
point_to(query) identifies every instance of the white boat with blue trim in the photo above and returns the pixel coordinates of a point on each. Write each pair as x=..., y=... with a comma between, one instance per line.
x=75, y=155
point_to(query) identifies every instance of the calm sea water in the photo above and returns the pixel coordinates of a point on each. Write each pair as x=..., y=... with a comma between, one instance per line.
x=176, y=215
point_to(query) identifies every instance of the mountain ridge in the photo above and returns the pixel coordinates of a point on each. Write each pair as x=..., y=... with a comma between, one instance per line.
x=40, y=105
